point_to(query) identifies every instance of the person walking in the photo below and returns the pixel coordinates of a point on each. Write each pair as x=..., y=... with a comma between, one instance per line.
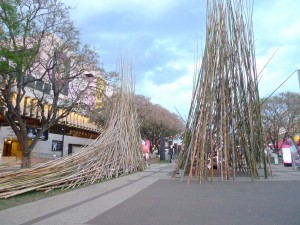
x=171, y=151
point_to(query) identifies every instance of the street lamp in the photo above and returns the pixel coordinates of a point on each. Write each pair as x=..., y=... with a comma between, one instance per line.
x=299, y=77
x=63, y=138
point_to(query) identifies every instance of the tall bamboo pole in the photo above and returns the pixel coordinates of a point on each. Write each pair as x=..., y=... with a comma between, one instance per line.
x=116, y=152
x=224, y=118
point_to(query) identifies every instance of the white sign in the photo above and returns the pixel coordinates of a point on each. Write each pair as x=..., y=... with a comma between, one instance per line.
x=282, y=130
x=8, y=132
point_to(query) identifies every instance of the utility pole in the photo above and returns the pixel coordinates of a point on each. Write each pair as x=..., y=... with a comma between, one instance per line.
x=299, y=77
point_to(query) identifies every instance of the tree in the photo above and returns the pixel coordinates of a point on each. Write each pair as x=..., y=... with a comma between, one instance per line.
x=41, y=54
x=282, y=110
x=157, y=121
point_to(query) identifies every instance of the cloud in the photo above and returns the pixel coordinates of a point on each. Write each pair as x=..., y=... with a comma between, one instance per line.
x=277, y=28
x=173, y=94
x=149, y=10
x=161, y=39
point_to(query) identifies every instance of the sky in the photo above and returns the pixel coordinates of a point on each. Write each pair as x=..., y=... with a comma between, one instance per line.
x=162, y=37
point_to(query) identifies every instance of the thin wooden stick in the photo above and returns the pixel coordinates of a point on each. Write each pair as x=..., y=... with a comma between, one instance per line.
x=225, y=110
x=116, y=152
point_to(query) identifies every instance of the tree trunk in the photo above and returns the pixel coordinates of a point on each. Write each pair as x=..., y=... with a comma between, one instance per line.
x=26, y=160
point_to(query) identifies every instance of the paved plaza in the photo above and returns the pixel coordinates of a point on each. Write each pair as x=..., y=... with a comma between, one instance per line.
x=152, y=197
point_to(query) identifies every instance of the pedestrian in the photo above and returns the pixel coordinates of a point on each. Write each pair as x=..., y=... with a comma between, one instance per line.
x=171, y=153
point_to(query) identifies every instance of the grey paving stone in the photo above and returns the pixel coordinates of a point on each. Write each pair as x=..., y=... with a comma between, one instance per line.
x=169, y=202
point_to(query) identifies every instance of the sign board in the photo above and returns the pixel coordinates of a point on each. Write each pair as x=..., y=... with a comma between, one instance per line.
x=31, y=133
x=8, y=132
x=296, y=161
x=282, y=130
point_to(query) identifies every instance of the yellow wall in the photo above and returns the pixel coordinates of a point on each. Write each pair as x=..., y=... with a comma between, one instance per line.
x=15, y=149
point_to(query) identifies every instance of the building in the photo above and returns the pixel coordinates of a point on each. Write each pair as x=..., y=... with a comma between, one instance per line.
x=66, y=137
x=71, y=132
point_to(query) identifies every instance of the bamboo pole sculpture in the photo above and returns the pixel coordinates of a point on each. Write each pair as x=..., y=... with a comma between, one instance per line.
x=224, y=121
x=116, y=152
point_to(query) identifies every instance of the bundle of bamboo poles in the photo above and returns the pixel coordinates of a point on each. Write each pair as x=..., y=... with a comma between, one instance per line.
x=116, y=152
x=224, y=124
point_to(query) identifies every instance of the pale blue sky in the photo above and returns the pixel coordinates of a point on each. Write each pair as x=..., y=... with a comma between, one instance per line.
x=160, y=37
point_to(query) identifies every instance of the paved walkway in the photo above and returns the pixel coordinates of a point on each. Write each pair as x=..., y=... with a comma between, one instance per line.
x=153, y=197
x=14, y=164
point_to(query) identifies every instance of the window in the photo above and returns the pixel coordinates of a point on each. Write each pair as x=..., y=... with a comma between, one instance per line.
x=39, y=85
x=56, y=145
x=47, y=88
x=30, y=81
x=65, y=89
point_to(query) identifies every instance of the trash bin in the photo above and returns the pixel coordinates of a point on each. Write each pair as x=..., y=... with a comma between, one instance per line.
x=181, y=174
x=275, y=159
